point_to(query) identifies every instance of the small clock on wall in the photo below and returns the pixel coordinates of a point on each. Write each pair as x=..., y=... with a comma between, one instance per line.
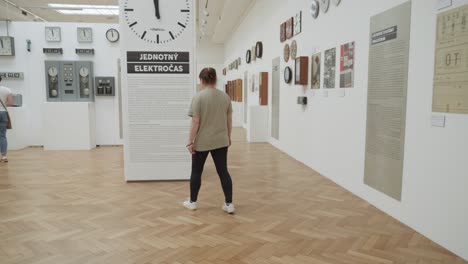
x=286, y=53
x=7, y=46
x=287, y=74
x=259, y=49
x=112, y=35
x=293, y=50
x=85, y=35
x=314, y=8
x=248, y=56
x=53, y=34
x=324, y=5
x=157, y=22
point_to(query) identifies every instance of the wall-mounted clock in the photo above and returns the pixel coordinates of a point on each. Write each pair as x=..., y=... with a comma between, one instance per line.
x=336, y=2
x=7, y=46
x=53, y=34
x=324, y=5
x=248, y=56
x=293, y=50
x=112, y=35
x=85, y=35
x=287, y=74
x=286, y=52
x=157, y=22
x=298, y=23
x=259, y=49
x=314, y=8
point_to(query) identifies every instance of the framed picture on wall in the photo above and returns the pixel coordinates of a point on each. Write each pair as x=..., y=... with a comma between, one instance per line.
x=290, y=28
x=283, y=32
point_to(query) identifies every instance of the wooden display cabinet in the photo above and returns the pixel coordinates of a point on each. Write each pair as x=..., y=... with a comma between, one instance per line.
x=263, y=84
x=302, y=70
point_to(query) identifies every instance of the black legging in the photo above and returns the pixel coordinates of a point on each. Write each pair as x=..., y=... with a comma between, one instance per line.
x=198, y=162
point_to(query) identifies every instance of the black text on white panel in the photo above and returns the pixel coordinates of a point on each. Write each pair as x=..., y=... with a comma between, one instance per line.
x=158, y=42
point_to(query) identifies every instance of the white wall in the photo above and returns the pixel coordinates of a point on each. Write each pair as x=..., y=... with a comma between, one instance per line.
x=32, y=64
x=329, y=136
x=211, y=55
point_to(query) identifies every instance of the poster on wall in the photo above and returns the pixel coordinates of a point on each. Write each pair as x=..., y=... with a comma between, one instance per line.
x=283, y=32
x=158, y=82
x=329, y=73
x=386, y=100
x=450, y=91
x=316, y=64
x=290, y=28
x=347, y=65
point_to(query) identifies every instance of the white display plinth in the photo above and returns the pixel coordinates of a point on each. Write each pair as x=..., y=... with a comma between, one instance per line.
x=257, y=126
x=18, y=136
x=69, y=126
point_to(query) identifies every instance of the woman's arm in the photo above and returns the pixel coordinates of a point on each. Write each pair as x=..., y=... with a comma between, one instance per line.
x=229, y=124
x=193, y=133
x=9, y=101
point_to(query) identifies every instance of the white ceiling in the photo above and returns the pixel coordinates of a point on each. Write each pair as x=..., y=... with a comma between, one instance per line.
x=224, y=15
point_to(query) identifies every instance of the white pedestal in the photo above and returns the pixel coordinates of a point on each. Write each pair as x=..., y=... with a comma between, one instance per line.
x=69, y=126
x=257, y=126
x=18, y=136
x=237, y=114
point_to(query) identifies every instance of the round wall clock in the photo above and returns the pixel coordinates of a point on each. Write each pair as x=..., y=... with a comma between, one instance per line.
x=286, y=52
x=314, y=8
x=293, y=50
x=259, y=49
x=336, y=2
x=324, y=5
x=248, y=56
x=157, y=22
x=287, y=74
x=112, y=35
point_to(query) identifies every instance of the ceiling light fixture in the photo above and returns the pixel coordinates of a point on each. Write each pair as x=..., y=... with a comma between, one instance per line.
x=70, y=9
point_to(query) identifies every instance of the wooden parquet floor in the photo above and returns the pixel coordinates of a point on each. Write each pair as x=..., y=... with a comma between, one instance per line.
x=75, y=208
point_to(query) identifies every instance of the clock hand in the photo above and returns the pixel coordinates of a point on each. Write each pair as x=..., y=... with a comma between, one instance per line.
x=156, y=7
x=1, y=40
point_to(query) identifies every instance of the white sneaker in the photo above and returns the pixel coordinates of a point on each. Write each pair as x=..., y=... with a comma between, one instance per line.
x=229, y=208
x=190, y=205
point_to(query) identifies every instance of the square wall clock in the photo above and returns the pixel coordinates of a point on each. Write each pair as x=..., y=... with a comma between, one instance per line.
x=85, y=35
x=53, y=34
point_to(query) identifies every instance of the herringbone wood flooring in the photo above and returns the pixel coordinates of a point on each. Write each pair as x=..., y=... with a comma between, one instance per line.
x=74, y=207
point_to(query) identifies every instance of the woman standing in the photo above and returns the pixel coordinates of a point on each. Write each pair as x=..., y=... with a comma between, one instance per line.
x=211, y=113
x=6, y=100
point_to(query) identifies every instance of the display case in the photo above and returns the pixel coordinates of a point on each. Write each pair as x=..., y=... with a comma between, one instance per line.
x=263, y=85
x=105, y=86
x=69, y=81
x=302, y=70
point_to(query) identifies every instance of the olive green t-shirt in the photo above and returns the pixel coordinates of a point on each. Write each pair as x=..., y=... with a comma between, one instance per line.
x=212, y=106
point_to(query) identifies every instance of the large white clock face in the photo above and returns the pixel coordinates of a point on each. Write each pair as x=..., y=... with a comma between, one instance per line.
x=157, y=21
